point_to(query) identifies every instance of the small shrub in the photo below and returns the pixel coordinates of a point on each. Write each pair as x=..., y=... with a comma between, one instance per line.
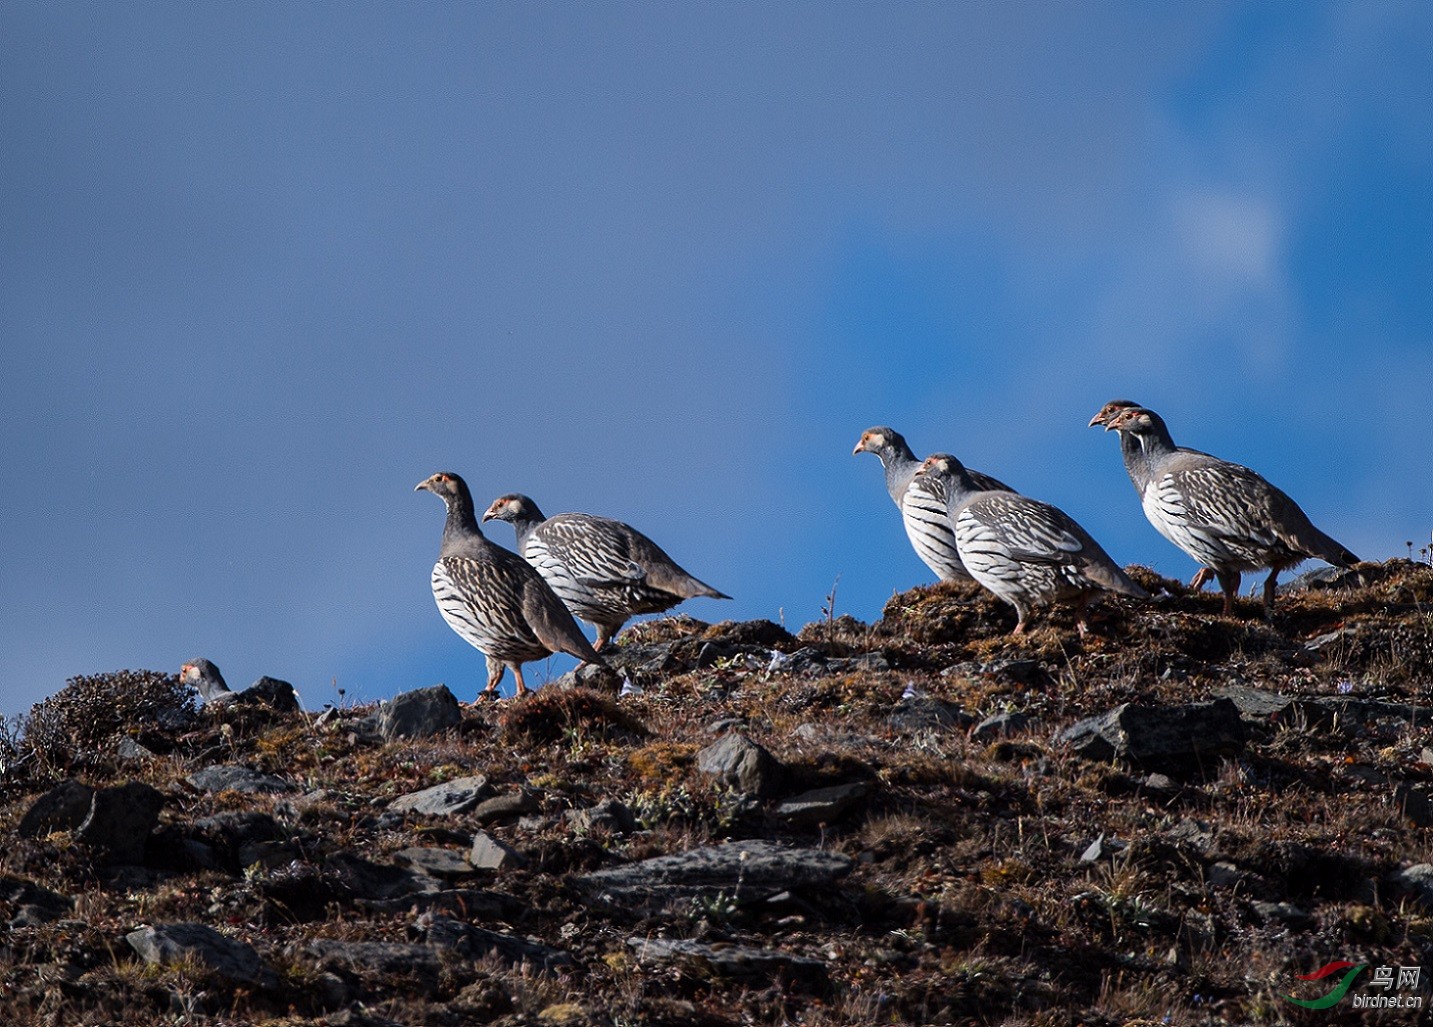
x=77, y=729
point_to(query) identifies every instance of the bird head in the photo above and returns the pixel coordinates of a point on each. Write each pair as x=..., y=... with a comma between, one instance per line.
x=1133, y=419
x=939, y=465
x=204, y=677
x=511, y=507
x=1111, y=410
x=445, y=485
x=873, y=440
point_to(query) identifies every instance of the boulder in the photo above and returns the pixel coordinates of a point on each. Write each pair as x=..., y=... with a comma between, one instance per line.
x=1160, y=737
x=419, y=714
x=735, y=760
x=227, y=957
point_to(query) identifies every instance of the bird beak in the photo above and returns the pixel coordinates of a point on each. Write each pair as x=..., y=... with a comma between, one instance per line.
x=423, y=485
x=1110, y=425
x=490, y=513
x=860, y=447
x=1099, y=418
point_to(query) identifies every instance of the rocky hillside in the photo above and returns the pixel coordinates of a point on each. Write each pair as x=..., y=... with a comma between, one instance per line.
x=917, y=821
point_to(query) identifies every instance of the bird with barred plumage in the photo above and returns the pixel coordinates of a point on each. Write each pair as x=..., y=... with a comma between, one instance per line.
x=921, y=502
x=1027, y=552
x=493, y=598
x=605, y=571
x=1224, y=515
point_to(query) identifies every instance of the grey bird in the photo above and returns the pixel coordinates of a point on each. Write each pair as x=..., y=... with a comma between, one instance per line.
x=1138, y=464
x=921, y=502
x=1027, y=552
x=492, y=598
x=1224, y=515
x=604, y=571
x=204, y=677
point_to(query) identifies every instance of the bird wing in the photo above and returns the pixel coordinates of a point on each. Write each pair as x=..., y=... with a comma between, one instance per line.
x=603, y=553
x=1030, y=531
x=1035, y=532
x=553, y=623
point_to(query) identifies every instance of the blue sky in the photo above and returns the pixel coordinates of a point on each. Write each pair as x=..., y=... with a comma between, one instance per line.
x=264, y=268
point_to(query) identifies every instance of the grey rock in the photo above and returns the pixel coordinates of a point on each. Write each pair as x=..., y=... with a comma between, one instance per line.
x=752, y=870
x=33, y=904
x=238, y=838
x=608, y=815
x=1413, y=803
x=488, y=853
x=1281, y=912
x=460, y=795
x=131, y=751
x=1226, y=876
x=1321, y=579
x=63, y=808
x=271, y=693
x=121, y=820
x=476, y=943
x=1160, y=737
x=380, y=882
x=824, y=805
x=1197, y=834
x=738, y=762
x=435, y=862
x=230, y=778
x=377, y=958
x=926, y=713
x=506, y=807
x=1102, y=847
x=725, y=960
x=1415, y=882
x=419, y=713
x=1256, y=704
x=227, y=957
x=1001, y=725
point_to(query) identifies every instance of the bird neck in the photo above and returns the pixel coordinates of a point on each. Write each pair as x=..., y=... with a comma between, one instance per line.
x=1155, y=442
x=958, y=487
x=524, y=526
x=900, y=464
x=460, y=530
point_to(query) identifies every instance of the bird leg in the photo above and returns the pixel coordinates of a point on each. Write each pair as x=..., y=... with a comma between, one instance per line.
x=1229, y=582
x=496, y=670
x=1270, y=587
x=1081, y=624
x=1201, y=578
x=522, y=688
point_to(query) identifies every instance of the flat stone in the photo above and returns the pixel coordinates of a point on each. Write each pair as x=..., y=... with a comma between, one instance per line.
x=725, y=960
x=378, y=958
x=1160, y=737
x=419, y=714
x=121, y=820
x=1001, y=725
x=476, y=943
x=738, y=762
x=451, y=798
x=506, y=807
x=824, y=805
x=751, y=870
x=437, y=862
x=228, y=957
x=63, y=808
x=490, y=854
x=230, y=778
x=379, y=882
